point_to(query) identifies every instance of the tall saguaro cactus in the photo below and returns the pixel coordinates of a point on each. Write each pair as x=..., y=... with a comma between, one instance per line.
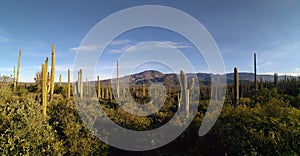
x=80, y=83
x=52, y=71
x=44, y=89
x=255, y=81
x=69, y=85
x=185, y=91
x=118, y=83
x=236, y=87
x=18, y=70
x=47, y=76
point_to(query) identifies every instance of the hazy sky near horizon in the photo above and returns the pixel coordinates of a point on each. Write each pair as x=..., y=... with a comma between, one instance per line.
x=270, y=28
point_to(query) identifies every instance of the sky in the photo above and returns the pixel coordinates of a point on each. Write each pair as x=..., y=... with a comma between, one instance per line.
x=239, y=28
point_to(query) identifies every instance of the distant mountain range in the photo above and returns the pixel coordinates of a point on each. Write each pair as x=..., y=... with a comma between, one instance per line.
x=171, y=79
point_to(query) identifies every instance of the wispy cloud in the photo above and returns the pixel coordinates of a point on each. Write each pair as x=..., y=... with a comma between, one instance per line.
x=121, y=46
x=157, y=44
x=142, y=45
x=115, y=51
x=121, y=42
x=4, y=39
x=90, y=48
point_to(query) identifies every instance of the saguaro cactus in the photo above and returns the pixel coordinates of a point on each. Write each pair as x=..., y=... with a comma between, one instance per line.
x=44, y=89
x=80, y=83
x=69, y=85
x=143, y=88
x=118, y=83
x=185, y=91
x=275, y=79
x=98, y=87
x=15, y=79
x=52, y=71
x=18, y=70
x=236, y=87
x=255, y=75
x=60, y=77
x=87, y=87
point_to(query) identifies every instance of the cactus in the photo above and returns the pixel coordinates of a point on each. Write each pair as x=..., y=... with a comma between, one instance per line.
x=69, y=85
x=143, y=87
x=80, y=84
x=60, y=77
x=87, y=87
x=18, y=70
x=186, y=91
x=15, y=79
x=102, y=93
x=44, y=89
x=261, y=82
x=52, y=71
x=236, y=87
x=110, y=93
x=107, y=93
x=179, y=98
x=98, y=87
x=118, y=83
x=275, y=79
x=255, y=83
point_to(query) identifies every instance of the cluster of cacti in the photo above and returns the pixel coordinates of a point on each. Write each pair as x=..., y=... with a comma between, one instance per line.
x=236, y=87
x=185, y=91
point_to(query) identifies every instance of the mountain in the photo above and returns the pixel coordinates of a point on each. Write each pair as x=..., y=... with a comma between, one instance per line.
x=172, y=79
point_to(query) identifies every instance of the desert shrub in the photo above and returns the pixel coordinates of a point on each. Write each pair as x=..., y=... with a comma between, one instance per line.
x=24, y=131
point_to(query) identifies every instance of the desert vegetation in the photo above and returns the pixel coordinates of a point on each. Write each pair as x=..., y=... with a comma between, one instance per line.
x=258, y=117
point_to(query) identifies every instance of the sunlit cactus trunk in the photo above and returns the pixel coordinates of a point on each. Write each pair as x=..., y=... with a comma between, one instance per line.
x=44, y=89
x=80, y=83
x=52, y=83
x=18, y=69
x=179, y=96
x=47, y=76
x=69, y=85
x=185, y=91
x=236, y=87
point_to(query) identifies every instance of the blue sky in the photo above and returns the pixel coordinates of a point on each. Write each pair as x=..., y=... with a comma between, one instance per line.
x=239, y=27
